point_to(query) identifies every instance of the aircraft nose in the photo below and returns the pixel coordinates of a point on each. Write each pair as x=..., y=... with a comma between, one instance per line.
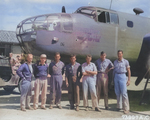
x=27, y=29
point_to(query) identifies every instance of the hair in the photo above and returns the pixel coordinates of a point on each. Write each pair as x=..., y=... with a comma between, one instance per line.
x=57, y=53
x=29, y=55
x=103, y=53
x=89, y=56
x=72, y=55
x=120, y=51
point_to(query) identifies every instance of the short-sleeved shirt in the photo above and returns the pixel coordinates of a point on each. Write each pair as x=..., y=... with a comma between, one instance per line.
x=71, y=70
x=56, y=68
x=102, y=66
x=89, y=67
x=121, y=66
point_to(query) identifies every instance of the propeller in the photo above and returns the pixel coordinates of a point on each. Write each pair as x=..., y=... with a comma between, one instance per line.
x=63, y=9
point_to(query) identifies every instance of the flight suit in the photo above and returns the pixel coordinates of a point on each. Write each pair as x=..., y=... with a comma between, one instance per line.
x=120, y=81
x=89, y=82
x=25, y=72
x=56, y=70
x=102, y=78
x=73, y=88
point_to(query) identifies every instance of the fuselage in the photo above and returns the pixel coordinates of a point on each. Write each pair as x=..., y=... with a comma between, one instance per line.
x=89, y=30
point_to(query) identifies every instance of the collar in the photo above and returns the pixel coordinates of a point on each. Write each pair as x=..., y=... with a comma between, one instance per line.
x=74, y=64
x=41, y=64
x=121, y=60
x=101, y=60
x=88, y=64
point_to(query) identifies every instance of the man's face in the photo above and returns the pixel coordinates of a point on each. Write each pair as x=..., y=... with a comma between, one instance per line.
x=88, y=59
x=73, y=59
x=57, y=57
x=103, y=56
x=120, y=55
x=43, y=60
x=29, y=58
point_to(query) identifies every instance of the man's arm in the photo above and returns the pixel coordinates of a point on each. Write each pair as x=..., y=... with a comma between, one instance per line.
x=91, y=72
x=19, y=71
x=129, y=75
x=86, y=74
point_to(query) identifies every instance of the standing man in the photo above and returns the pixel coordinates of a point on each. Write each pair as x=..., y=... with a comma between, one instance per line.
x=72, y=83
x=56, y=70
x=25, y=72
x=121, y=66
x=89, y=72
x=41, y=74
x=103, y=66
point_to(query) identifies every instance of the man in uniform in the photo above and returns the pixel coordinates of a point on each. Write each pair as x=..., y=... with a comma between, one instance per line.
x=56, y=69
x=103, y=66
x=25, y=72
x=89, y=72
x=72, y=83
x=121, y=66
x=41, y=74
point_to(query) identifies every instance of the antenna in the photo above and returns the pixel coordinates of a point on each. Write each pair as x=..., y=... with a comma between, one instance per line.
x=110, y=4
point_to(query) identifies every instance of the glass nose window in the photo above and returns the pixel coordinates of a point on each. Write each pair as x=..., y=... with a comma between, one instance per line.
x=53, y=22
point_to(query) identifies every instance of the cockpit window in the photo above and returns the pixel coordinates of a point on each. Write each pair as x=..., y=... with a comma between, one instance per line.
x=114, y=18
x=90, y=12
x=107, y=17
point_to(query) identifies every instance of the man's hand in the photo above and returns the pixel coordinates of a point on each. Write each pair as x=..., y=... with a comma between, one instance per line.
x=48, y=75
x=128, y=82
x=74, y=78
x=67, y=84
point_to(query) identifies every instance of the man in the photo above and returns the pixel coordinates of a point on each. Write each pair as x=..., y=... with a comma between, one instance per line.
x=25, y=72
x=121, y=66
x=89, y=72
x=56, y=69
x=41, y=74
x=103, y=66
x=72, y=83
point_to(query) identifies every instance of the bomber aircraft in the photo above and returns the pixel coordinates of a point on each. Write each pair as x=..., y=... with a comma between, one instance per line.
x=89, y=30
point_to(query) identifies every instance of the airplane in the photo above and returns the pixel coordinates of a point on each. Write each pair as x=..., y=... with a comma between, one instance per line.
x=89, y=30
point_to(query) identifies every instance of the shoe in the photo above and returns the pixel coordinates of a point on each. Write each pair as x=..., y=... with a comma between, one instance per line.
x=126, y=111
x=106, y=108
x=34, y=108
x=77, y=108
x=43, y=108
x=86, y=109
x=59, y=106
x=30, y=108
x=23, y=109
x=51, y=107
x=118, y=109
x=97, y=109
x=71, y=107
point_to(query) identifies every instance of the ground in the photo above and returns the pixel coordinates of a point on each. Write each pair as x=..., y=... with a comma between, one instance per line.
x=10, y=108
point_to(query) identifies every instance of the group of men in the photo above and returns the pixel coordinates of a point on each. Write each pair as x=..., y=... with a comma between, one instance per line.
x=94, y=76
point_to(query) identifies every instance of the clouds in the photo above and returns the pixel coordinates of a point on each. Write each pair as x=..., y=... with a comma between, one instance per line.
x=14, y=11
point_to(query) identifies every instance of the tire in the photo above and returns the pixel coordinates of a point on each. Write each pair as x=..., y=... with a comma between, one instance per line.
x=9, y=88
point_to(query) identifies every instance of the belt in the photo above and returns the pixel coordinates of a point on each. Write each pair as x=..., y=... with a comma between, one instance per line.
x=120, y=73
x=56, y=74
x=102, y=72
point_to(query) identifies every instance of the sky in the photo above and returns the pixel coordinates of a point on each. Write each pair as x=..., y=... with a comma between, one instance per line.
x=12, y=12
